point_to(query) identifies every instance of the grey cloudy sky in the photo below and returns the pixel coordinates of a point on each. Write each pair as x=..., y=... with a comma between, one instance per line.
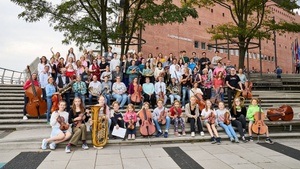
x=22, y=42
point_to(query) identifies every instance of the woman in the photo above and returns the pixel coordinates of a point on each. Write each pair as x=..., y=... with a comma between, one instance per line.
x=77, y=119
x=147, y=72
x=196, y=76
x=60, y=65
x=71, y=54
x=208, y=115
x=42, y=64
x=217, y=86
x=130, y=119
x=124, y=66
x=254, y=108
x=102, y=65
x=57, y=135
x=242, y=77
x=80, y=67
x=94, y=69
x=135, y=88
x=238, y=117
x=185, y=85
x=71, y=61
x=148, y=90
x=192, y=111
x=119, y=92
x=53, y=67
x=177, y=119
x=50, y=91
x=206, y=83
x=158, y=71
x=222, y=122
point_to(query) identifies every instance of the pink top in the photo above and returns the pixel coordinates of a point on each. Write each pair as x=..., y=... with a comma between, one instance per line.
x=219, y=69
x=218, y=82
x=130, y=115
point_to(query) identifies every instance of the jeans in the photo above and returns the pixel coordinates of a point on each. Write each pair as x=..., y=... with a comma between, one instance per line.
x=49, y=105
x=107, y=98
x=172, y=96
x=185, y=92
x=228, y=129
x=121, y=99
x=81, y=96
x=157, y=125
x=91, y=99
x=129, y=131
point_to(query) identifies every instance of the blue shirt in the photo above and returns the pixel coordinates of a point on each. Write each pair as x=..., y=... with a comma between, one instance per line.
x=148, y=88
x=50, y=89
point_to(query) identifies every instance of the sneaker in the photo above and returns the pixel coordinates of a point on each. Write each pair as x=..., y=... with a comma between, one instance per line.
x=269, y=141
x=250, y=138
x=213, y=140
x=218, y=139
x=244, y=139
x=183, y=133
x=236, y=140
x=166, y=135
x=193, y=134
x=202, y=133
x=85, y=146
x=25, y=118
x=44, y=144
x=133, y=137
x=68, y=149
x=129, y=137
x=231, y=139
x=177, y=134
x=52, y=146
x=158, y=134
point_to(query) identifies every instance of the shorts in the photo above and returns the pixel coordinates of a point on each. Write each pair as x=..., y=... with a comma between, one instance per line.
x=55, y=131
x=206, y=122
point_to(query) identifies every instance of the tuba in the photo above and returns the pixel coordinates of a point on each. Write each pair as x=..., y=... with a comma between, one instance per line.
x=99, y=127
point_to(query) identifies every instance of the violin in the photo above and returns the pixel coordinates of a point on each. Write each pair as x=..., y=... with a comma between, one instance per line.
x=147, y=128
x=161, y=94
x=162, y=117
x=63, y=125
x=56, y=98
x=259, y=126
x=227, y=118
x=199, y=101
x=247, y=93
x=136, y=97
x=131, y=124
x=78, y=123
x=36, y=105
x=212, y=118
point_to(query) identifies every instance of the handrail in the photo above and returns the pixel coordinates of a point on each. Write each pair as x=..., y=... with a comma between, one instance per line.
x=8, y=76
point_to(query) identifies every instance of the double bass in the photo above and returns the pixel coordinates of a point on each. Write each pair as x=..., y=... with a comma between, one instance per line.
x=147, y=128
x=247, y=93
x=36, y=106
x=259, y=127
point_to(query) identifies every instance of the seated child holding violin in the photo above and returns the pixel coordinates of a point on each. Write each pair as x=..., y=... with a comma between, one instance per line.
x=130, y=119
x=176, y=116
x=255, y=126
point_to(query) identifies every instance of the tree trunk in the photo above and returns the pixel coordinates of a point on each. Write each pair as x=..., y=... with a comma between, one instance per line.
x=242, y=52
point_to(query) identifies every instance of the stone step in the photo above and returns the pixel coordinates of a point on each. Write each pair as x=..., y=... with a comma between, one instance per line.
x=11, y=116
x=11, y=91
x=12, y=95
x=11, y=102
x=21, y=121
x=11, y=111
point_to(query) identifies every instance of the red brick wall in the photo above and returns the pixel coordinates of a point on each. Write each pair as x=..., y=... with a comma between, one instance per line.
x=160, y=39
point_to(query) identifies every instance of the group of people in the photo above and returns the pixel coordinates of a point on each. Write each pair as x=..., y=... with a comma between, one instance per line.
x=143, y=80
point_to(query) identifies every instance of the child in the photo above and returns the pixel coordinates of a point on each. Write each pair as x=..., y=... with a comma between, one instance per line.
x=176, y=116
x=238, y=117
x=116, y=116
x=253, y=108
x=227, y=127
x=57, y=135
x=156, y=114
x=209, y=117
x=130, y=119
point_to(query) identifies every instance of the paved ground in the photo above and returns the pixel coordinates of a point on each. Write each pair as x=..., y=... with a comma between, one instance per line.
x=226, y=155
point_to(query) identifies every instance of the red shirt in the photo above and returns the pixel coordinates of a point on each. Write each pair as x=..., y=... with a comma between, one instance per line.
x=172, y=111
x=28, y=84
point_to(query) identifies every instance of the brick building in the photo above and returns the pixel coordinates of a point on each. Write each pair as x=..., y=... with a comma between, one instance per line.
x=193, y=37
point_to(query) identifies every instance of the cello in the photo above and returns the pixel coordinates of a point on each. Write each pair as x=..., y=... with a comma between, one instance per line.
x=136, y=97
x=284, y=112
x=36, y=106
x=147, y=128
x=247, y=93
x=199, y=101
x=259, y=127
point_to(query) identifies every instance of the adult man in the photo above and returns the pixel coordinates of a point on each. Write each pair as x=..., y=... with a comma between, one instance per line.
x=94, y=89
x=43, y=78
x=62, y=81
x=234, y=83
x=114, y=63
x=160, y=89
x=204, y=61
x=278, y=72
x=216, y=59
x=79, y=88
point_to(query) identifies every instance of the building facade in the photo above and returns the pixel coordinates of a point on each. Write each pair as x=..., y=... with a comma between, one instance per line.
x=192, y=36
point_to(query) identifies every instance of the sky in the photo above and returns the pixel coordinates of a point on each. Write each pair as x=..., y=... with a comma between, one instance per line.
x=21, y=42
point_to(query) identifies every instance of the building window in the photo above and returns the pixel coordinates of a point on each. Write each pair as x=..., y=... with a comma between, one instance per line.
x=272, y=58
x=196, y=44
x=209, y=47
x=269, y=58
x=212, y=26
x=223, y=14
x=199, y=22
x=237, y=53
x=203, y=45
x=185, y=19
x=254, y=56
x=225, y=50
x=212, y=10
x=231, y=52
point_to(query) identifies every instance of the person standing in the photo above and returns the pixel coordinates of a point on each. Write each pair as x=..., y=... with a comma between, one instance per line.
x=278, y=72
x=79, y=88
x=234, y=84
x=203, y=61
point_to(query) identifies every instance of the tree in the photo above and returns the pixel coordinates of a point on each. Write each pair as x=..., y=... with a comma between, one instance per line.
x=102, y=22
x=250, y=20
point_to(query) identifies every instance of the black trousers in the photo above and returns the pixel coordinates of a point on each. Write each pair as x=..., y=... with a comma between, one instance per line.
x=240, y=124
x=206, y=93
x=151, y=100
x=25, y=103
x=230, y=93
x=193, y=122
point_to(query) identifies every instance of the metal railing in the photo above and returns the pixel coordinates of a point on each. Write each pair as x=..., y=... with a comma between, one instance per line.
x=8, y=76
